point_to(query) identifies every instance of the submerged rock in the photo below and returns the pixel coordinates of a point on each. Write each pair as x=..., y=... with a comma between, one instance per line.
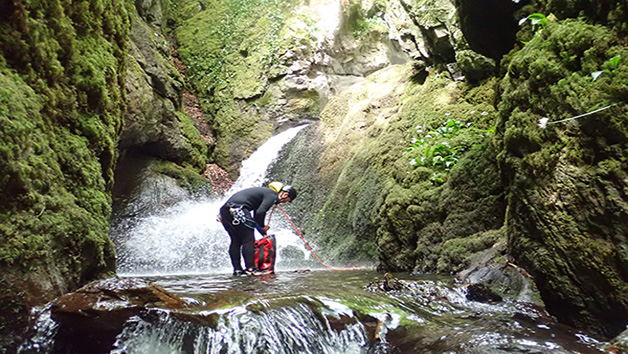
x=387, y=283
x=491, y=277
x=482, y=293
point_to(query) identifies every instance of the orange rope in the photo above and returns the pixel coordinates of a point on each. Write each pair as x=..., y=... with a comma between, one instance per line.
x=305, y=242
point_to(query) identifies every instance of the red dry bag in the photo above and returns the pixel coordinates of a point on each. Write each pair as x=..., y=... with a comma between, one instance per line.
x=265, y=252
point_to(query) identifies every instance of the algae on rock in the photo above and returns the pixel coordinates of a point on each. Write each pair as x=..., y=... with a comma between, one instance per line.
x=361, y=194
x=567, y=213
x=232, y=50
x=61, y=104
x=157, y=130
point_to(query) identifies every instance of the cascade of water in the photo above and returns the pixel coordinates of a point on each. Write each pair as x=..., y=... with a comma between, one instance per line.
x=186, y=238
x=237, y=330
x=253, y=169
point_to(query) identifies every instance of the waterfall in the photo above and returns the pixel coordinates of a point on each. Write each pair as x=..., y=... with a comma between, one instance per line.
x=253, y=169
x=290, y=329
x=186, y=238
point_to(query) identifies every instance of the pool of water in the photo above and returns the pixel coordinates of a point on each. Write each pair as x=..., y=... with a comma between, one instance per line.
x=429, y=315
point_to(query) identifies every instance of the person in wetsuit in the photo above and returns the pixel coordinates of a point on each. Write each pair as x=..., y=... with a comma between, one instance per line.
x=243, y=213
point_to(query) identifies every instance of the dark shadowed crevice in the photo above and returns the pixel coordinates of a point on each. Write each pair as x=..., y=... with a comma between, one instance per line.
x=489, y=25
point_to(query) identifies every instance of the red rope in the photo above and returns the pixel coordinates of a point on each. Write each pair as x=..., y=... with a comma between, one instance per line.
x=305, y=242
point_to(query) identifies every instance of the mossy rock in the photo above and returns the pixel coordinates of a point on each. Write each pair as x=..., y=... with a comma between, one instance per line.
x=611, y=13
x=567, y=215
x=186, y=178
x=232, y=49
x=363, y=198
x=61, y=104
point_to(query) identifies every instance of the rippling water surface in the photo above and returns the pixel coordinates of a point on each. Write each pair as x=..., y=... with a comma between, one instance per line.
x=335, y=312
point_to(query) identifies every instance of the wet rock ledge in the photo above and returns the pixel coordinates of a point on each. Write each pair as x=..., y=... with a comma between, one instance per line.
x=90, y=318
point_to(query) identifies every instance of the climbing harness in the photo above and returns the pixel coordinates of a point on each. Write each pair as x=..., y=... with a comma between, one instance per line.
x=241, y=217
x=305, y=242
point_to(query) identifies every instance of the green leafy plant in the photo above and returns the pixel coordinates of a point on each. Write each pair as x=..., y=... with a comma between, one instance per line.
x=434, y=149
x=537, y=21
x=441, y=155
x=612, y=64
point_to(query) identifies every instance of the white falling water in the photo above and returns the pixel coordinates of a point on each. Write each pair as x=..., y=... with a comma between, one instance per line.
x=186, y=238
x=253, y=169
x=289, y=329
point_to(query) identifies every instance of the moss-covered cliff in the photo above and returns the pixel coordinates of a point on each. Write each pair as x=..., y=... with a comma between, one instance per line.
x=233, y=49
x=161, y=136
x=363, y=195
x=79, y=83
x=61, y=104
x=261, y=66
x=557, y=196
x=156, y=123
x=567, y=217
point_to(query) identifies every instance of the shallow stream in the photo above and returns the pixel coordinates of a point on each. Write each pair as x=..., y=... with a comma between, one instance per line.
x=324, y=311
x=336, y=312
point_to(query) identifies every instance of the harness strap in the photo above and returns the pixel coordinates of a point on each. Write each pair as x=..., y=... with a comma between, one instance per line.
x=242, y=217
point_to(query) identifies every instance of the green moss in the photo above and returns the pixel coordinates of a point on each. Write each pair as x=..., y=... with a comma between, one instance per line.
x=227, y=35
x=420, y=215
x=457, y=252
x=266, y=99
x=52, y=180
x=361, y=21
x=61, y=103
x=556, y=71
x=613, y=13
x=365, y=188
x=558, y=226
x=193, y=138
x=304, y=102
x=187, y=178
x=233, y=50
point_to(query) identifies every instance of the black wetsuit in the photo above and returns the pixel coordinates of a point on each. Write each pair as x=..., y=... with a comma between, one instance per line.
x=257, y=200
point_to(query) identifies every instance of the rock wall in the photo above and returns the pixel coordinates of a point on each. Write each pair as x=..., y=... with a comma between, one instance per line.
x=61, y=108
x=551, y=201
x=269, y=66
x=155, y=121
x=568, y=200
x=165, y=141
x=235, y=51
x=357, y=182
x=81, y=83
x=359, y=193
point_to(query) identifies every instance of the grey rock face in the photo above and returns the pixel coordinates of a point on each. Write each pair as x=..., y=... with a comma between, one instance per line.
x=153, y=95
